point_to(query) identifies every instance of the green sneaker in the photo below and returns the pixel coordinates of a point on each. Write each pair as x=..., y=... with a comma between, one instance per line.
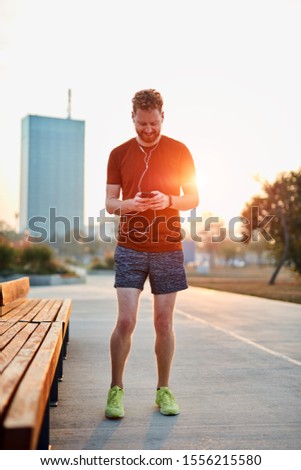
x=166, y=402
x=114, y=408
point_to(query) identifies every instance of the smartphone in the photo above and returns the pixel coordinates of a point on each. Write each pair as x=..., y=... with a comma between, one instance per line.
x=147, y=194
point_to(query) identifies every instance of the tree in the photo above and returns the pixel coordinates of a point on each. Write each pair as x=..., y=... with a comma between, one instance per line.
x=277, y=216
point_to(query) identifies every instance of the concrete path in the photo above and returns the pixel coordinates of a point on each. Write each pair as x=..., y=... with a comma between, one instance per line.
x=236, y=373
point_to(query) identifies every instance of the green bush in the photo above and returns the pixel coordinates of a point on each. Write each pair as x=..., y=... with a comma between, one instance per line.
x=7, y=256
x=31, y=259
x=36, y=259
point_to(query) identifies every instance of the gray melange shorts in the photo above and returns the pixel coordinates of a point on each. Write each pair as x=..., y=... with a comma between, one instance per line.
x=166, y=270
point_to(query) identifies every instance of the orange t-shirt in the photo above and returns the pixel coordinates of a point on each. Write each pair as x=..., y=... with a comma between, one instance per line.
x=170, y=166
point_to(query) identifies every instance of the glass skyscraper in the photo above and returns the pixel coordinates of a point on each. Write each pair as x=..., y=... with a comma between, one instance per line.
x=52, y=174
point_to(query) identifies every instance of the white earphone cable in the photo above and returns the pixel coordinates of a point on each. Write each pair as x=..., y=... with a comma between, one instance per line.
x=146, y=162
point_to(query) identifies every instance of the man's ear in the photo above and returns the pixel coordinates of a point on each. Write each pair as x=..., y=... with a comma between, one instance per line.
x=133, y=115
x=162, y=114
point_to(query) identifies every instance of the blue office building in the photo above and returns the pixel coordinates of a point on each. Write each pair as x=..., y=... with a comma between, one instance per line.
x=52, y=175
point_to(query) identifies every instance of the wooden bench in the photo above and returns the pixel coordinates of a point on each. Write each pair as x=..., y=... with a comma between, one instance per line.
x=34, y=335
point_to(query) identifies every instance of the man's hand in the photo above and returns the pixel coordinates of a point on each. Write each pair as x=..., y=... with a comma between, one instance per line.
x=158, y=202
x=140, y=204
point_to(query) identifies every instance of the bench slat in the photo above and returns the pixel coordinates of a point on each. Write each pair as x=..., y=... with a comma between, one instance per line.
x=32, y=313
x=4, y=326
x=13, y=374
x=49, y=314
x=12, y=290
x=9, y=334
x=15, y=345
x=19, y=312
x=7, y=308
x=26, y=412
x=64, y=314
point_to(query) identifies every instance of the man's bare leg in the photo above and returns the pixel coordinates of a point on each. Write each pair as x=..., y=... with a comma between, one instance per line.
x=121, y=339
x=165, y=337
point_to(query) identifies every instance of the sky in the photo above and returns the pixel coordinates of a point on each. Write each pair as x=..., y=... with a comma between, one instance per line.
x=229, y=72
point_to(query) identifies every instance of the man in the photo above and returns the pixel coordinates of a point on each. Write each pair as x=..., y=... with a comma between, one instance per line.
x=156, y=176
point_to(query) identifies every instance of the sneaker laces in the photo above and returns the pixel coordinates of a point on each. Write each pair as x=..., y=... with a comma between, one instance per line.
x=166, y=397
x=115, y=397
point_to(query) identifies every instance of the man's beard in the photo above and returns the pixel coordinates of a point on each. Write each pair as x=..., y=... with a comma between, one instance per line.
x=148, y=139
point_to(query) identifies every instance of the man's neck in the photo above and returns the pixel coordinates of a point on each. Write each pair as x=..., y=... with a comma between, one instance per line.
x=148, y=144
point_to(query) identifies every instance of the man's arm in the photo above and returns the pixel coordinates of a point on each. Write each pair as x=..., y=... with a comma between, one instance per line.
x=113, y=204
x=188, y=200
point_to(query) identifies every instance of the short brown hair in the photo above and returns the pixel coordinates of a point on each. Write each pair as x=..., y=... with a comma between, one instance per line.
x=147, y=99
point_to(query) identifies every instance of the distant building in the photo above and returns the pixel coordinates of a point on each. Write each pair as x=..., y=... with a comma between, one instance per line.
x=52, y=175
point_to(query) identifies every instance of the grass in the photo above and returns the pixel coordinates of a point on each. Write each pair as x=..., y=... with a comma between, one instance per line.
x=250, y=280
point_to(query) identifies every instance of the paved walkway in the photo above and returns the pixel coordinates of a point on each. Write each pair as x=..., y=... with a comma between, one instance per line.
x=236, y=373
